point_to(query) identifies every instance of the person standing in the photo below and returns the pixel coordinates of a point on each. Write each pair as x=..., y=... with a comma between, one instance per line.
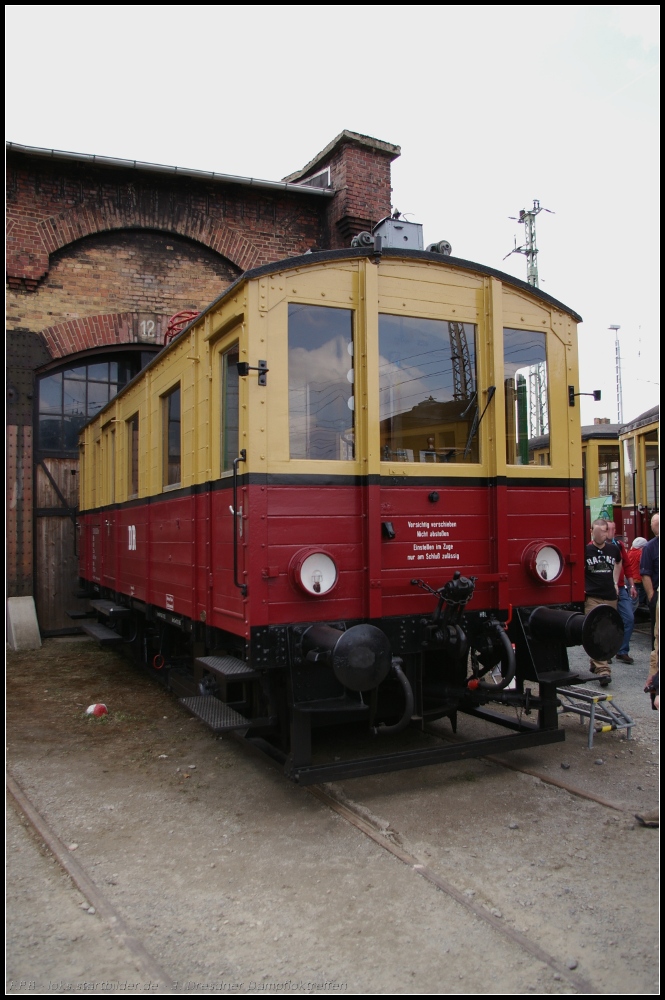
x=602, y=566
x=627, y=591
x=633, y=571
x=651, y=818
x=649, y=566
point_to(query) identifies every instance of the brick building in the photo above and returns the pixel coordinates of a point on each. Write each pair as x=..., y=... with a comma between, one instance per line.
x=100, y=254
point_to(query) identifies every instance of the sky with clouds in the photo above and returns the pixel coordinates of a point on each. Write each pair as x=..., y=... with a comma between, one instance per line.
x=493, y=107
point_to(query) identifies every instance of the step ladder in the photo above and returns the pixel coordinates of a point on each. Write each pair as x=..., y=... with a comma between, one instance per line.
x=598, y=707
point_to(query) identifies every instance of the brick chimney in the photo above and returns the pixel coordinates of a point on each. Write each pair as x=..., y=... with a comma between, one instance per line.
x=360, y=175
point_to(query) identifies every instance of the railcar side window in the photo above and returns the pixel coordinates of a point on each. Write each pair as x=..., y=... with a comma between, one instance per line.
x=628, y=471
x=608, y=472
x=651, y=469
x=172, y=438
x=321, y=400
x=133, y=453
x=527, y=409
x=229, y=422
x=108, y=485
x=96, y=473
x=428, y=390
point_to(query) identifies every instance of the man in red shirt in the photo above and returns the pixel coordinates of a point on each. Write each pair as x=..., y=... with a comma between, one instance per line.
x=632, y=564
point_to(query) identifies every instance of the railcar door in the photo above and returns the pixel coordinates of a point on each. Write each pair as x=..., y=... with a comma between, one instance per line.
x=229, y=512
x=108, y=520
x=308, y=525
x=434, y=505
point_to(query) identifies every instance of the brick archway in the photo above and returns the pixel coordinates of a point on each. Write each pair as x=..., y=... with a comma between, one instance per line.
x=30, y=243
x=109, y=330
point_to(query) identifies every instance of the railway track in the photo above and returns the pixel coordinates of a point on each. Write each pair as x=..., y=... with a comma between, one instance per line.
x=432, y=864
x=347, y=812
x=150, y=969
x=355, y=815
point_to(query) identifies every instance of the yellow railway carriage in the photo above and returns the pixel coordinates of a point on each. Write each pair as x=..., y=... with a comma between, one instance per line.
x=640, y=468
x=315, y=507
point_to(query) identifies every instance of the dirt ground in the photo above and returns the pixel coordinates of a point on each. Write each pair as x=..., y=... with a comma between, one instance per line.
x=236, y=880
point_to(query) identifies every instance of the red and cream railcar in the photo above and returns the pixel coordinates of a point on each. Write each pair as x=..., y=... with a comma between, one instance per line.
x=640, y=468
x=321, y=490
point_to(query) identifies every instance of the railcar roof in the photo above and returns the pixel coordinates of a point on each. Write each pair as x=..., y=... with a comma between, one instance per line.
x=651, y=416
x=320, y=256
x=599, y=431
x=323, y=256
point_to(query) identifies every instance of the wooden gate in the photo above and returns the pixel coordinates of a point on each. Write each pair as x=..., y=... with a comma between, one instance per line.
x=56, y=567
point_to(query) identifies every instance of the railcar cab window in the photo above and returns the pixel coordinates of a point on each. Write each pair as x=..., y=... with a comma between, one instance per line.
x=172, y=454
x=229, y=414
x=428, y=390
x=321, y=375
x=526, y=394
x=608, y=472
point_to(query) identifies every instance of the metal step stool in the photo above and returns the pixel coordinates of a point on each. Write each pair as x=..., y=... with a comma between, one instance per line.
x=597, y=707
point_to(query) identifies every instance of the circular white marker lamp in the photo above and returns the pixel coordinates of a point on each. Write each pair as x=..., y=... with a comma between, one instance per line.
x=543, y=561
x=313, y=572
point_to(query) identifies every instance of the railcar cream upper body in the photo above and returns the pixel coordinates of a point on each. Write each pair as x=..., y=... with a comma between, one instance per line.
x=254, y=312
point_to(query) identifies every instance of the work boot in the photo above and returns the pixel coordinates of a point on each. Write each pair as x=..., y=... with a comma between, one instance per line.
x=625, y=658
x=604, y=676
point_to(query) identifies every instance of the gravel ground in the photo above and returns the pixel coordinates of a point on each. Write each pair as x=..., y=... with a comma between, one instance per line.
x=235, y=880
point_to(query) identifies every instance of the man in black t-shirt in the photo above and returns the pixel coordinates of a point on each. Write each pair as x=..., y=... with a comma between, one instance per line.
x=602, y=567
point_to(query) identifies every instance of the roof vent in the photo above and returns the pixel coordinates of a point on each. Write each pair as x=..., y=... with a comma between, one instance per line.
x=399, y=234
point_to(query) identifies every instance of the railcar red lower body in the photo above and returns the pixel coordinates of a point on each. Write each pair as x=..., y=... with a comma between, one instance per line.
x=176, y=551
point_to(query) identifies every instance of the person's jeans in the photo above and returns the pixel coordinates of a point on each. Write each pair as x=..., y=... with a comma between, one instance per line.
x=625, y=609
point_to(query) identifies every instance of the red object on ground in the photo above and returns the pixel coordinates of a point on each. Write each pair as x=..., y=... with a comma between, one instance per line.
x=97, y=710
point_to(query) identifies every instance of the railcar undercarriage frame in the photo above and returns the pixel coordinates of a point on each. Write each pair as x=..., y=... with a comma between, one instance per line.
x=289, y=681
